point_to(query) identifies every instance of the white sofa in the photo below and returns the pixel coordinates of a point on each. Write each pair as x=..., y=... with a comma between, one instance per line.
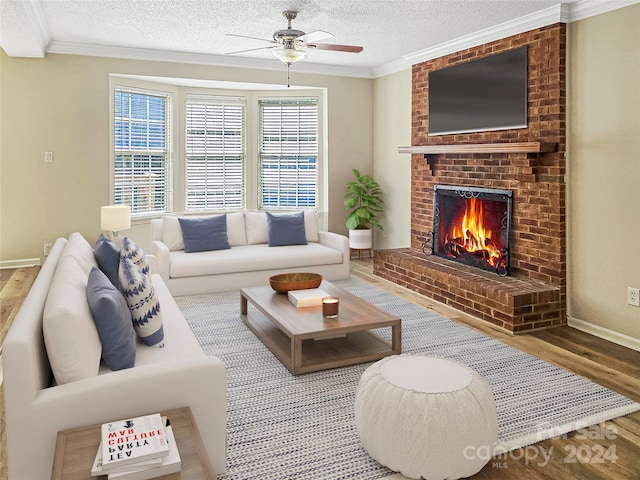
x=37, y=407
x=250, y=261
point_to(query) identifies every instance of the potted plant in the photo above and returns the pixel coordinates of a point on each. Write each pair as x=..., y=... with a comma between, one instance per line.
x=363, y=200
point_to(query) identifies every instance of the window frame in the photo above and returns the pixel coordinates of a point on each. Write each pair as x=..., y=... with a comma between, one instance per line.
x=300, y=150
x=178, y=89
x=168, y=150
x=215, y=100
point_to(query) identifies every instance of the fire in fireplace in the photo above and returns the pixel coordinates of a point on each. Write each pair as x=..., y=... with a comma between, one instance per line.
x=471, y=226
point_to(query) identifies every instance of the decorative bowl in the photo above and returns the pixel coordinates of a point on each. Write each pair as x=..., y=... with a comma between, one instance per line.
x=285, y=282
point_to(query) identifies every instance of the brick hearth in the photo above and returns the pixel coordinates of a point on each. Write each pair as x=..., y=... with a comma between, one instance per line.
x=534, y=296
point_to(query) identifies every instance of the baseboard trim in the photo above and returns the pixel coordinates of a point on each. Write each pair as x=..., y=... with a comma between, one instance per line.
x=19, y=263
x=604, y=333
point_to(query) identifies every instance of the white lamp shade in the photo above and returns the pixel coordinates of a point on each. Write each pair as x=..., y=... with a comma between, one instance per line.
x=115, y=218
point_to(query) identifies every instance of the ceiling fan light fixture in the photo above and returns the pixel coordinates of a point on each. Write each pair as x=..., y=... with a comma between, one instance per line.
x=289, y=55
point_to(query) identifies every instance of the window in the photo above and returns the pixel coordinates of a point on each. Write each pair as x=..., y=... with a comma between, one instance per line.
x=141, y=159
x=215, y=151
x=288, y=153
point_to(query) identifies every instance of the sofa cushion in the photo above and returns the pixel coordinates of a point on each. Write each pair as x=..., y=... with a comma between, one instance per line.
x=172, y=231
x=256, y=227
x=78, y=248
x=200, y=234
x=286, y=229
x=113, y=321
x=311, y=225
x=143, y=304
x=236, y=229
x=181, y=343
x=252, y=258
x=134, y=253
x=107, y=255
x=70, y=335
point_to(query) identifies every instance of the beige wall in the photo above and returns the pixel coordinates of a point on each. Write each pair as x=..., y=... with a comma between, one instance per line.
x=604, y=172
x=392, y=129
x=61, y=104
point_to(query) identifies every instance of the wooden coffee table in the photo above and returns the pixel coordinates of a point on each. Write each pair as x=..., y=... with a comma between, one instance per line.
x=304, y=341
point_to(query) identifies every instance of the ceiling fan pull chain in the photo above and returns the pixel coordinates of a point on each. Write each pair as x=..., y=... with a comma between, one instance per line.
x=288, y=76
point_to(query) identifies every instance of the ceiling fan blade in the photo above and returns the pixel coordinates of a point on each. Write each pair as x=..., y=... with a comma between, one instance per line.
x=254, y=38
x=251, y=50
x=337, y=48
x=315, y=36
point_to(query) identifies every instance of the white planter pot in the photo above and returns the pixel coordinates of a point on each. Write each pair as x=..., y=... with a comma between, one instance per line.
x=361, y=238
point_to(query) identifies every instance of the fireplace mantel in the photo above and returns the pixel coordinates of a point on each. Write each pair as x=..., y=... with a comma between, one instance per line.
x=520, y=147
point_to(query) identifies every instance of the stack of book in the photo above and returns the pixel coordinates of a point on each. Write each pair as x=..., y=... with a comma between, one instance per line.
x=137, y=448
x=309, y=297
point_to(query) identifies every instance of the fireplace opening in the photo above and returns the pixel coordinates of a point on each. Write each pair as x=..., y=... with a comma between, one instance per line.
x=472, y=226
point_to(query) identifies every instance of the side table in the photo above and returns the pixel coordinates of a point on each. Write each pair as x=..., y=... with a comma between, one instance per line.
x=76, y=449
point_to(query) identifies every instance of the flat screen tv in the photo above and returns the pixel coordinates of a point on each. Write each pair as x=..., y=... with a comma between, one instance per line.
x=485, y=94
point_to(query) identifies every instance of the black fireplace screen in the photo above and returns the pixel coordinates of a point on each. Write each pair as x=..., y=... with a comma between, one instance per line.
x=472, y=226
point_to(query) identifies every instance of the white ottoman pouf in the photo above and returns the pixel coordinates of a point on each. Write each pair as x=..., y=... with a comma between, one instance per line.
x=426, y=417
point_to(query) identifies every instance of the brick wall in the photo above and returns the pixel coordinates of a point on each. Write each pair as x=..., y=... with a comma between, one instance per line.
x=538, y=243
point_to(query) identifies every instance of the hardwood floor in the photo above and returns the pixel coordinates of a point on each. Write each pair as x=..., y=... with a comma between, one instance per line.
x=607, y=451
x=14, y=286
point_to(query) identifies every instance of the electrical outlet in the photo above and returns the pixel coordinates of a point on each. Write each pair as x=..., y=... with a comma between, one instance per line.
x=46, y=248
x=633, y=296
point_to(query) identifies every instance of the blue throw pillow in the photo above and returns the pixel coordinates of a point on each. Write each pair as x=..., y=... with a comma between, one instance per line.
x=201, y=234
x=286, y=229
x=107, y=255
x=113, y=321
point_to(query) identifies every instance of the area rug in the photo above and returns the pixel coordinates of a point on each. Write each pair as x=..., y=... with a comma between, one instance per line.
x=282, y=426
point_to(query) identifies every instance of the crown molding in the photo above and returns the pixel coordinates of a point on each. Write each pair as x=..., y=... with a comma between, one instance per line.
x=68, y=48
x=391, y=67
x=34, y=12
x=589, y=8
x=561, y=13
x=548, y=16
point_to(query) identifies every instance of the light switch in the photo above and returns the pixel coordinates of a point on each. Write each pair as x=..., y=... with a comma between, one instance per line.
x=48, y=157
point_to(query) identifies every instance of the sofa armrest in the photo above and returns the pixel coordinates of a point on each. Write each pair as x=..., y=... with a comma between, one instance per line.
x=335, y=241
x=199, y=383
x=163, y=259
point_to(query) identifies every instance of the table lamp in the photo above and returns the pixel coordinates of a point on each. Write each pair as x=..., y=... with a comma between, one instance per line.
x=115, y=218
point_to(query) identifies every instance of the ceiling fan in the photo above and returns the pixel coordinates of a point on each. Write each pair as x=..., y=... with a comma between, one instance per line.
x=289, y=45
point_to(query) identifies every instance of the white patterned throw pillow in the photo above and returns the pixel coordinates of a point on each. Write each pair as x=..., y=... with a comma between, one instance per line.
x=143, y=303
x=134, y=253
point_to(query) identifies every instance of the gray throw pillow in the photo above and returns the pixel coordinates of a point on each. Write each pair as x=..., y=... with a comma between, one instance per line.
x=286, y=229
x=201, y=234
x=107, y=255
x=113, y=321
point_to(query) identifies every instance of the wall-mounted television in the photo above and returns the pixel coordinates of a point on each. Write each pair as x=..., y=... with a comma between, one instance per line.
x=489, y=93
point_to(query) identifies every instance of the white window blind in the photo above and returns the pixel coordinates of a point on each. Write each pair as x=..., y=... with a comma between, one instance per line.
x=288, y=153
x=141, y=160
x=215, y=151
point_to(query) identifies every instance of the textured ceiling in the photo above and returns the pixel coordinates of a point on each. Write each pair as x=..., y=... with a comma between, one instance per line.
x=387, y=29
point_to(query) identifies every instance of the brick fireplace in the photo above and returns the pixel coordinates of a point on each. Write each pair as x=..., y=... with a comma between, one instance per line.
x=529, y=162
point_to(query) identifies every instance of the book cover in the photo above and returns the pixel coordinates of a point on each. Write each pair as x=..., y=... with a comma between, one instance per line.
x=97, y=470
x=170, y=464
x=309, y=297
x=132, y=440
